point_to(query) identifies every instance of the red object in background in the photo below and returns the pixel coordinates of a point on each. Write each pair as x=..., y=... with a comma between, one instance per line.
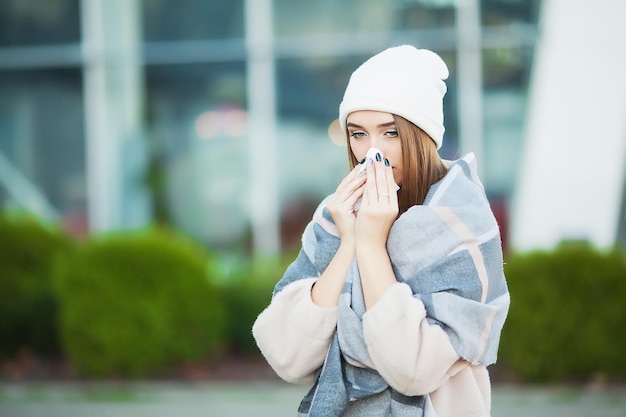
x=296, y=215
x=501, y=212
x=76, y=223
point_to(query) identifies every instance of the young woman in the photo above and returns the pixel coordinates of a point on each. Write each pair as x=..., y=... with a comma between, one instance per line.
x=395, y=304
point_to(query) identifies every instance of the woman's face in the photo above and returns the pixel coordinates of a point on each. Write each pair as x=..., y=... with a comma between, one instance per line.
x=367, y=128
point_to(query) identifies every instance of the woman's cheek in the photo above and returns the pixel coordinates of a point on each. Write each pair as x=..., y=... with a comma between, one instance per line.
x=397, y=176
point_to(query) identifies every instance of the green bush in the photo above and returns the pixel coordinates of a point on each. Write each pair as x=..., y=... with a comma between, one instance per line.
x=28, y=308
x=567, y=315
x=135, y=304
x=246, y=292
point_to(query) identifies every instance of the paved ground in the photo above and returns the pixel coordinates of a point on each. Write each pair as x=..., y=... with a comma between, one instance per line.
x=264, y=399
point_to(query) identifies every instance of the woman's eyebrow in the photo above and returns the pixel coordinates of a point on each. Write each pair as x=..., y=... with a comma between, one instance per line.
x=387, y=124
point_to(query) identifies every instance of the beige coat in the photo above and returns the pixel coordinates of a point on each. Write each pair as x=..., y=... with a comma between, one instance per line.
x=413, y=356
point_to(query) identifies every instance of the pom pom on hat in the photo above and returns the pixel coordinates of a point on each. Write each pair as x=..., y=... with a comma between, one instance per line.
x=404, y=81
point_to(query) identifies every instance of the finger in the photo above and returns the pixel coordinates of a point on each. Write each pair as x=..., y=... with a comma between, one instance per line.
x=381, y=179
x=391, y=183
x=353, y=191
x=355, y=183
x=354, y=197
x=370, y=194
x=362, y=168
x=352, y=175
x=359, y=171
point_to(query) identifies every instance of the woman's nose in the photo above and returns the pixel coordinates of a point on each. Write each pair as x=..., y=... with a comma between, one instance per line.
x=377, y=143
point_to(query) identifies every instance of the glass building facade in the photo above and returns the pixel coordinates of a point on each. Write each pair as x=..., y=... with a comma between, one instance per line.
x=115, y=114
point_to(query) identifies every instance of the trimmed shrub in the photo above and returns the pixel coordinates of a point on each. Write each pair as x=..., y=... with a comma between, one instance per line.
x=135, y=304
x=247, y=291
x=567, y=315
x=28, y=308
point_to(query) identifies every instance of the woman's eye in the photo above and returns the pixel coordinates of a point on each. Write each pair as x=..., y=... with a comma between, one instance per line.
x=357, y=134
x=392, y=133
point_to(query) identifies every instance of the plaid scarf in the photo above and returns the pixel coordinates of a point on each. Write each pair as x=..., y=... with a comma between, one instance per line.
x=448, y=251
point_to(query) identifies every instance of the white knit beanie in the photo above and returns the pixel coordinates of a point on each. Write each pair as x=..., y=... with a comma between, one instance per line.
x=404, y=81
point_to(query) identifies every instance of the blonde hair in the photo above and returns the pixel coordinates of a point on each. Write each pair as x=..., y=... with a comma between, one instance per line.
x=421, y=164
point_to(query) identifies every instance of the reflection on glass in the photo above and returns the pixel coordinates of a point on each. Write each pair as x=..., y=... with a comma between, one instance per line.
x=299, y=18
x=197, y=128
x=196, y=114
x=503, y=12
x=26, y=23
x=41, y=134
x=166, y=20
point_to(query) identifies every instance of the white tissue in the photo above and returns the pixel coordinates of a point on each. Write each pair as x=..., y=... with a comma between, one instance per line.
x=371, y=154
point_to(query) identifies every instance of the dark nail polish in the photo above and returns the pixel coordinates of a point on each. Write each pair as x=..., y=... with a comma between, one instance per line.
x=387, y=162
x=361, y=161
x=378, y=157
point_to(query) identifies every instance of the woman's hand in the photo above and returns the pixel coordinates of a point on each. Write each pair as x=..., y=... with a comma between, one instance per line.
x=327, y=289
x=379, y=208
x=341, y=204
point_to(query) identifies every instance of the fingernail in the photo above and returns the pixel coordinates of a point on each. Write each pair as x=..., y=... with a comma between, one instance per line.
x=361, y=161
x=378, y=157
x=370, y=162
x=387, y=162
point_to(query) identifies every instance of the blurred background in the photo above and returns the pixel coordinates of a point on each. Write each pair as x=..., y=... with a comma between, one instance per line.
x=149, y=141
x=211, y=116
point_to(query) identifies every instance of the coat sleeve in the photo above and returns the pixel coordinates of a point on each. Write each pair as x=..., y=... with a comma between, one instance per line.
x=414, y=356
x=293, y=333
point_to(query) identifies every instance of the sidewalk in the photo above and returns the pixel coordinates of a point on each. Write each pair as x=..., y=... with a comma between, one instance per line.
x=263, y=399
